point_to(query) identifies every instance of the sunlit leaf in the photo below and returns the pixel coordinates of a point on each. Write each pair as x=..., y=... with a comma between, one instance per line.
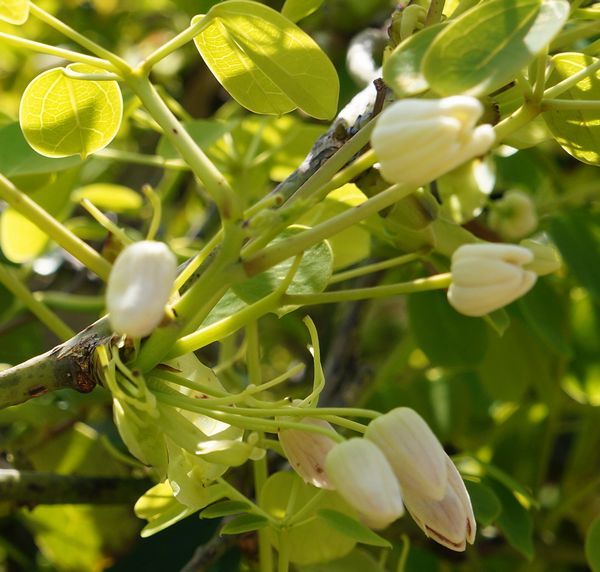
x=266, y=62
x=14, y=11
x=107, y=196
x=295, y=10
x=21, y=240
x=61, y=116
x=576, y=130
x=484, y=48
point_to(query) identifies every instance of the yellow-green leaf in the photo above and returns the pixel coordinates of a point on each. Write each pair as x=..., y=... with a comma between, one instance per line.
x=20, y=239
x=484, y=48
x=108, y=196
x=267, y=63
x=14, y=11
x=295, y=10
x=61, y=116
x=577, y=131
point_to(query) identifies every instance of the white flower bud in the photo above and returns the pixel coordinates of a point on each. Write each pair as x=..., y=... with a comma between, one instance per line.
x=546, y=258
x=363, y=477
x=306, y=452
x=418, y=140
x=139, y=287
x=513, y=216
x=449, y=521
x=413, y=451
x=486, y=277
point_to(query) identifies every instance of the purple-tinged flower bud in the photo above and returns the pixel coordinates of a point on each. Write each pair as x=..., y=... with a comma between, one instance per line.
x=413, y=451
x=363, y=477
x=139, y=287
x=306, y=452
x=448, y=521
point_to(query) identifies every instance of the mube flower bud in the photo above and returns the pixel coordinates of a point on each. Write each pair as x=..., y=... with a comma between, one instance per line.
x=513, y=216
x=363, y=477
x=450, y=520
x=139, y=287
x=413, y=451
x=486, y=277
x=417, y=140
x=307, y=451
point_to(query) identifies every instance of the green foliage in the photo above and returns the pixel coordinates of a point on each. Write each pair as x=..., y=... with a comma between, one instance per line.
x=265, y=62
x=483, y=49
x=14, y=11
x=577, y=131
x=61, y=116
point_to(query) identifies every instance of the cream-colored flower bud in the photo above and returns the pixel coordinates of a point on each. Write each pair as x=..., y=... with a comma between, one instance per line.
x=139, y=287
x=486, y=277
x=418, y=140
x=306, y=452
x=412, y=450
x=363, y=477
x=546, y=258
x=513, y=216
x=449, y=521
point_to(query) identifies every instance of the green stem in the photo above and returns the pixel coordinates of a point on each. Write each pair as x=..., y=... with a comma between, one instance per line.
x=80, y=39
x=11, y=282
x=435, y=12
x=260, y=470
x=172, y=45
x=312, y=189
x=283, y=558
x=216, y=185
x=230, y=324
x=234, y=494
x=420, y=285
x=139, y=159
x=55, y=230
x=375, y=267
x=70, y=302
x=572, y=35
x=540, y=76
x=574, y=104
x=518, y=119
x=289, y=247
x=569, y=82
x=62, y=53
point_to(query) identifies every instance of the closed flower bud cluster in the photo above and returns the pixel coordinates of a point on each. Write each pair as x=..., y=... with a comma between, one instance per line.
x=139, y=287
x=486, y=277
x=513, y=216
x=418, y=140
x=399, y=463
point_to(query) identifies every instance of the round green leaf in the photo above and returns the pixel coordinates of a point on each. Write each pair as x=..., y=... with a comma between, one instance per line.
x=486, y=505
x=312, y=542
x=14, y=11
x=484, y=49
x=107, y=196
x=592, y=545
x=267, y=63
x=577, y=131
x=61, y=116
x=402, y=70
